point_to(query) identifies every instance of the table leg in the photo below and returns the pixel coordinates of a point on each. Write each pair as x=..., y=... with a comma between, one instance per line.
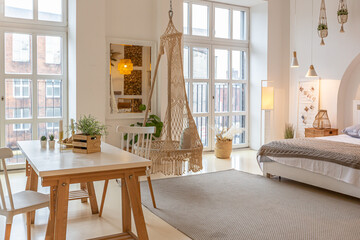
x=61, y=209
x=83, y=187
x=126, y=208
x=32, y=184
x=51, y=222
x=133, y=191
x=92, y=197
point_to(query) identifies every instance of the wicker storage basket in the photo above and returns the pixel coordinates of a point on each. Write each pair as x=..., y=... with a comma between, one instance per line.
x=223, y=149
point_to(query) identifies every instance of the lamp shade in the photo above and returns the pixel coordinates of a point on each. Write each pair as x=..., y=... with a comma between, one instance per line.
x=311, y=72
x=267, y=98
x=125, y=66
x=294, y=61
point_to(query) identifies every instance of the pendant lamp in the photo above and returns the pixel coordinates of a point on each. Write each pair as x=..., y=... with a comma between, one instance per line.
x=311, y=72
x=294, y=60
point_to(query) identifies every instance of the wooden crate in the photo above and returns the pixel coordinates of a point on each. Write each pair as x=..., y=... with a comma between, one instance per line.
x=86, y=144
x=313, y=132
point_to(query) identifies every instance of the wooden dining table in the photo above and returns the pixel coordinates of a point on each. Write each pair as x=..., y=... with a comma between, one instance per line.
x=59, y=168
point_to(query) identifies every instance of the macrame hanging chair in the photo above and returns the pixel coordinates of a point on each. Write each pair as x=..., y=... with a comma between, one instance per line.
x=179, y=141
x=323, y=26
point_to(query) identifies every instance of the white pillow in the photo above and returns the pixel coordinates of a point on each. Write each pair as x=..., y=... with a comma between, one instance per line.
x=352, y=131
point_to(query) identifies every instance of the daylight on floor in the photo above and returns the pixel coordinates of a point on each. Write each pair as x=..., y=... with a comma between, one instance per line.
x=179, y=119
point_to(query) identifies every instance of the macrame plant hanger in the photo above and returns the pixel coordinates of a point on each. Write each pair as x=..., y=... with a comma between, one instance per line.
x=343, y=14
x=179, y=148
x=323, y=26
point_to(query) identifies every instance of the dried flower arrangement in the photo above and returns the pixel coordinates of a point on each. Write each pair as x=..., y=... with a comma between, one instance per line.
x=228, y=134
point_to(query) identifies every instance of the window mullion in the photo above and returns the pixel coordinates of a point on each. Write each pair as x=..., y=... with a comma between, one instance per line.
x=35, y=9
x=34, y=80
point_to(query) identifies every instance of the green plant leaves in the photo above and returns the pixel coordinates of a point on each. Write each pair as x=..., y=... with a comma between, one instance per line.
x=88, y=125
x=153, y=121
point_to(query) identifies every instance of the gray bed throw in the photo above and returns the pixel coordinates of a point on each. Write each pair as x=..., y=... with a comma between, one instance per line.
x=345, y=154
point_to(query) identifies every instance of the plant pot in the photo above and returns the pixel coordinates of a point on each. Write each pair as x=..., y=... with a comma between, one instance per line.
x=223, y=149
x=343, y=19
x=323, y=33
x=52, y=144
x=43, y=144
x=86, y=144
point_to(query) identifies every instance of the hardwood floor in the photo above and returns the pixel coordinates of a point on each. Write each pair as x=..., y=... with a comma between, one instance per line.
x=82, y=224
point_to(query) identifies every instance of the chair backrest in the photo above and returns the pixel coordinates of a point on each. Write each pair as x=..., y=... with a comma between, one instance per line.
x=137, y=140
x=6, y=153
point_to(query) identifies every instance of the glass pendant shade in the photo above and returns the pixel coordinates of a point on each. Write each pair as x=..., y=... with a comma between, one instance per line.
x=294, y=61
x=125, y=66
x=311, y=72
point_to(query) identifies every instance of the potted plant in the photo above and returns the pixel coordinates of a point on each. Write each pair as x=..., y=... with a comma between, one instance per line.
x=89, y=132
x=323, y=32
x=223, y=145
x=51, y=141
x=289, y=131
x=43, y=141
x=343, y=15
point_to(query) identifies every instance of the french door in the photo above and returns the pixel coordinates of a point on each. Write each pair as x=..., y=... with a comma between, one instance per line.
x=217, y=88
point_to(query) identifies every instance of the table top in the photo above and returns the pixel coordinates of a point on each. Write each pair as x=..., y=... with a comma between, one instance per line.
x=53, y=162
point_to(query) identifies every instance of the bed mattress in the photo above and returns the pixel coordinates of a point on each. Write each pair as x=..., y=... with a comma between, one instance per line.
x=333, y=170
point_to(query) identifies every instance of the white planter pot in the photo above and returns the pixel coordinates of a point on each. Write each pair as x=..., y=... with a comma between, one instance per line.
x=52, y=144
x=342, y=19
x=43, y=144
x=323, y=33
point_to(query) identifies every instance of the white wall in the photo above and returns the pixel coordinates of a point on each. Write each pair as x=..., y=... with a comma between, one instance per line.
x=87, y=59
x=258, y=68
x=278, y=66
x=331, y=61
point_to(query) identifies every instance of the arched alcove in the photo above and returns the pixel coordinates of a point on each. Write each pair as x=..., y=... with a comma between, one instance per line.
x=349, y=90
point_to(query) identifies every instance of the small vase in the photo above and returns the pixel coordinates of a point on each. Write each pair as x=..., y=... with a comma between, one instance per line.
x=52, y=144
x=43, y=144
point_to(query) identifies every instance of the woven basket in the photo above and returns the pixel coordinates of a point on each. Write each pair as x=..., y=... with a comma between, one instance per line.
x=223, y=149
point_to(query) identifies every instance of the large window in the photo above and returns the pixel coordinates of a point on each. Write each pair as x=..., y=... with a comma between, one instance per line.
x=33, y=79
x=215, y=68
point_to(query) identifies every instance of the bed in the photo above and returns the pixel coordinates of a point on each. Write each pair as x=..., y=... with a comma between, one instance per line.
x=327, y=175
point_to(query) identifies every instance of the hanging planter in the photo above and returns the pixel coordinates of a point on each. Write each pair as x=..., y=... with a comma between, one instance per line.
x=322, y=26
x=343, y=14
x=323, y=32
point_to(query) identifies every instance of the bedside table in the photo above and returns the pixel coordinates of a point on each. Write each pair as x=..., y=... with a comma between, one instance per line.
x=312, y=132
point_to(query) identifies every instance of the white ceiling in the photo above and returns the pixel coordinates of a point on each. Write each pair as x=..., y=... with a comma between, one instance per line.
x=245, y=3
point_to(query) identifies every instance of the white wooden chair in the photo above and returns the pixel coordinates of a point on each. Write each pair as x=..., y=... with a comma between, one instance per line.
x=143, y=135
x=18, y=203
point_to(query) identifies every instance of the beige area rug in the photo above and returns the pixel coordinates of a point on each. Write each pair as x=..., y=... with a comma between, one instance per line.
x=236, y=205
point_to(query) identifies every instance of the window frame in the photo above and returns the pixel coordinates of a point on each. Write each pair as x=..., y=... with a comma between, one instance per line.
x=215, y=43
x=211, y=22
x=35, y=120
x=13, y=46
x=21, y=86
x=35, y=20
x=20, y=129
x=53, y=90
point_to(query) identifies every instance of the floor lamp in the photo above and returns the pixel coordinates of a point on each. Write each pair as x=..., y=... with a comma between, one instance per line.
x=267, y=105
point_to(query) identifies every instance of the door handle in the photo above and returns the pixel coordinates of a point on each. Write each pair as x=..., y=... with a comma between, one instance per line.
x=2, y=98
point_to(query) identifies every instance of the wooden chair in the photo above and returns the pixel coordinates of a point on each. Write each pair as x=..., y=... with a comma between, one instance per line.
x=143, y=135
x=18, y=203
